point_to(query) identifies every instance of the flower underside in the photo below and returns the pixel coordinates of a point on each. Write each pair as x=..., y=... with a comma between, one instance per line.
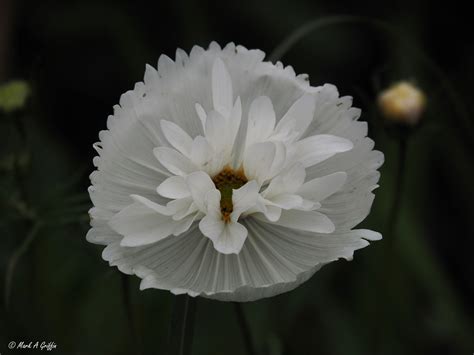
x=226, y=181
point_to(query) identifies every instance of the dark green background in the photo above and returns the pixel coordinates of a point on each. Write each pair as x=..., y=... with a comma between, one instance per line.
x=411, y=293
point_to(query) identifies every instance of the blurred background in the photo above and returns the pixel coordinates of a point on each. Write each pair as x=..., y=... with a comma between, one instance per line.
x=411, y=293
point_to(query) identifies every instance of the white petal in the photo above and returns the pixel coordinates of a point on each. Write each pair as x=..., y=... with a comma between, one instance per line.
x=227, y=238
x=310, y=221
x=178, y=138
x=258, y=160
x=212, y=226
x=279, y=161
x=289, y=181
x=181, y=208
x=184, y=224
x=261, y=120
x=299, y=116
x=232, y=239
x=151, y=205
x=201, y=151
x=141, y=225
x=315, y=149
x=174, y=161
x=199, y=184
x=272, y=213
x=174, y=187
x=201, y=114
x=234, y=120
x=244, y=198
x=212, y=203
x=287, y=201
x=238, y=135
x=320, y=188
x=308, y=205
x=367, y=234
x=268, y=209
x=222, y=96
x=217, y=131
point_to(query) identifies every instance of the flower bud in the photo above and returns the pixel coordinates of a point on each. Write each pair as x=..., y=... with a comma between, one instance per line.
x=402, y=103
x=13, y=95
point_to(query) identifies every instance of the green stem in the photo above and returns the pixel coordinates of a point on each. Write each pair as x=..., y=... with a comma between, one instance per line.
x=398, y=190
x=182, y=325
x=14, y=260
x=127, y=301
x=245, y=329
x=19, y=169
x=392, y=278
x=466, y=128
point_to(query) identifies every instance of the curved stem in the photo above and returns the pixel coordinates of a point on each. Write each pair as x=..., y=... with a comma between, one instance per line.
x=460, y=110
x=14, y=260
x=244, y=328
x=306, y=29
x=182, y=325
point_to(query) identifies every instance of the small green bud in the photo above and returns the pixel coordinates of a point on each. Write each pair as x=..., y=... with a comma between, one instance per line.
x=13, y=95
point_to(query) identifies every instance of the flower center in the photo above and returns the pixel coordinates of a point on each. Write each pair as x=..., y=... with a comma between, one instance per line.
x=226, y=181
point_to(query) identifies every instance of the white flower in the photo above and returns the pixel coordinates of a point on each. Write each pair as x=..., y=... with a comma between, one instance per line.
x=231, y=178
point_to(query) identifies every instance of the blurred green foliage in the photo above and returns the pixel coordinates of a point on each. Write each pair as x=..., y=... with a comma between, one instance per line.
x=13, y=95
x=409, y=295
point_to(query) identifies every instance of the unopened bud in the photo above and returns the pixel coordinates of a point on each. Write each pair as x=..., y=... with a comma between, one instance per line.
x=13, y=95
x=402, y=103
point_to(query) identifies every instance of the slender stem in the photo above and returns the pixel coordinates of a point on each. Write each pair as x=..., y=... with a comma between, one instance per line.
x=19, y=169
x=245, y=329
x=130, y=314
x=466, y=128
x=304, y=30
x=182, y=325
x=14, y=260
x=391, y=271
x=398, y=190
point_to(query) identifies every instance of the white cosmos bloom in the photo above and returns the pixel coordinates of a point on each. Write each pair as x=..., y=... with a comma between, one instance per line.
x=231, y=178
